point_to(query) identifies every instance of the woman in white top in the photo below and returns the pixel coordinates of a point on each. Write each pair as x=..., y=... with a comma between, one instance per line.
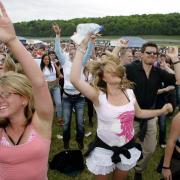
x=51, y=71
x=114, y=149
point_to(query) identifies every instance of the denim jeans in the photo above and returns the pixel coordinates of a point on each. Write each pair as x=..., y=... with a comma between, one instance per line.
x=56, y=95
x=162, y=129
x=68, y=104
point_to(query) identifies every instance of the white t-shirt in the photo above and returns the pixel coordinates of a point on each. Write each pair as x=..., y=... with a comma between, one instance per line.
x=115, y=123
x=50, y=75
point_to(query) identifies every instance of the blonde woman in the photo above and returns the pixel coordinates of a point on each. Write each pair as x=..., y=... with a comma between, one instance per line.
x=114, y=149
x=26, y=114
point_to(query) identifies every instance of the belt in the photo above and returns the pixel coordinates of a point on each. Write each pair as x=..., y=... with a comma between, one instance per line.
x=72, y=95
x=53, y=83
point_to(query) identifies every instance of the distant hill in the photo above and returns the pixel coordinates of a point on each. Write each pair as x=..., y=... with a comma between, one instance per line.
x=153, y=24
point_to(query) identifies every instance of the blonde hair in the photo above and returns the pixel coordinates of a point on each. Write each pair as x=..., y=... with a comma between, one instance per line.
x=108, y=64
x=19, y=84
x=11, y=65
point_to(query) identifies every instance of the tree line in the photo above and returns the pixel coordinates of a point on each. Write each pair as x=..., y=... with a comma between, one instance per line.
x=152, y=24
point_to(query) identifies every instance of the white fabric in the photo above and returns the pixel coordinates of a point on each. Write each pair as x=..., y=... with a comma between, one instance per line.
x=115, y=123
x=99, y=161
x=68, y=86
x=50, y=75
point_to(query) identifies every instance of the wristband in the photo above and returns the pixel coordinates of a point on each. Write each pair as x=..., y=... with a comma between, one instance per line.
x=81, y=50
x=165, y=167
x=176, y=62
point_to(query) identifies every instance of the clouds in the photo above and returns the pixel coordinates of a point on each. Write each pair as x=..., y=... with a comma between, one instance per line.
x=26, y=10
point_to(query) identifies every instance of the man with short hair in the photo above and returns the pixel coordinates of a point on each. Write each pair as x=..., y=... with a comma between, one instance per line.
x=147, y=81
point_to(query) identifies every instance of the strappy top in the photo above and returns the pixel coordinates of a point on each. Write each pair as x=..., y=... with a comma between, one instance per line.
x=28, y=161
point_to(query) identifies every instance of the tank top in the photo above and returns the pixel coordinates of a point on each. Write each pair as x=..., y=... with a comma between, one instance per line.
x=115, y=123
x=28, y=161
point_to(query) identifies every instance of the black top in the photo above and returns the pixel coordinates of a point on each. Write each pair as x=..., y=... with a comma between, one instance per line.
x=145, y=89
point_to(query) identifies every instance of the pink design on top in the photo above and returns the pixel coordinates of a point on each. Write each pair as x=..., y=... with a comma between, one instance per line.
x=126, y=123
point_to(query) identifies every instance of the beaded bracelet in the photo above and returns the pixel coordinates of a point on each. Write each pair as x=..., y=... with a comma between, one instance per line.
x=176, y=62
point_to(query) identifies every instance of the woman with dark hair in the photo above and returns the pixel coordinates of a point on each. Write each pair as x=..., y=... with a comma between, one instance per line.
x=51, y=71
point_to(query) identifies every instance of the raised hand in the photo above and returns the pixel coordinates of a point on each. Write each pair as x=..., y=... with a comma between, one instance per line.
x=167, y=108
x=85, y=41
x=7, y=32
x=56, y=28
x=122, y=43
x=172, y=52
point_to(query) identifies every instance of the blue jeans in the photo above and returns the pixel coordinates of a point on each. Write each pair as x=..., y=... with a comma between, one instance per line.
x=56, y=95
x=162, y=129
x=68, y=104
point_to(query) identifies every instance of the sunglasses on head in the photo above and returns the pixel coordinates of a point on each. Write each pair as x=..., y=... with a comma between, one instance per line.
x=151, y=53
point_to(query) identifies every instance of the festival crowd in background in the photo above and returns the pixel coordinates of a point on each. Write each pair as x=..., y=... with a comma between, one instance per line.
x=128, y=90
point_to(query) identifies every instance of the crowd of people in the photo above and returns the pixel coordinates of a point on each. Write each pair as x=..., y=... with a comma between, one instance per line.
x=129, y=89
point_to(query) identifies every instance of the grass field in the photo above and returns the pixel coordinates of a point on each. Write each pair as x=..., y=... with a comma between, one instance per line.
x=57, y=146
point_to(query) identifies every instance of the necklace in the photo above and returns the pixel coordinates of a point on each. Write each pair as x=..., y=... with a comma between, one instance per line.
x=10, y=138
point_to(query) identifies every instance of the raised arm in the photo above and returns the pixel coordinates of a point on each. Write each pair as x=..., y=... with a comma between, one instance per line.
x=58, y=49
x=43, y=102
x=120, y=43
x=173, y=54
x=88, y=53
x=84, y=87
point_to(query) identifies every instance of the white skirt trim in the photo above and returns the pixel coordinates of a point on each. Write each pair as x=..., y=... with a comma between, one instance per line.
x=99, y=161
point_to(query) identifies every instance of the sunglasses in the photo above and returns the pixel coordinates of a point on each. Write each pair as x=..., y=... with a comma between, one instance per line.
x=151, y=53
x=6, y=94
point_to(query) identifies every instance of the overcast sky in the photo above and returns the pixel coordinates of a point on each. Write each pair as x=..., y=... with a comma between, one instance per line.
x=26, y=10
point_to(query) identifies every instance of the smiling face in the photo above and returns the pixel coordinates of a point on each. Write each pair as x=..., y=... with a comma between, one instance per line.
x=11, y=103
x=16, y=96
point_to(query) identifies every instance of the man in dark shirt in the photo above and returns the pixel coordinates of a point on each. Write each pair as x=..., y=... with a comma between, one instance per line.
x=147, y=81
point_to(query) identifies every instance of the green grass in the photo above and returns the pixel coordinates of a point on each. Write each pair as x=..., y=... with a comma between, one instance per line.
x=57, y=146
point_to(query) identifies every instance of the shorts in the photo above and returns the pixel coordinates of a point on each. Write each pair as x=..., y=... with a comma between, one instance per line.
x=99, y=161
